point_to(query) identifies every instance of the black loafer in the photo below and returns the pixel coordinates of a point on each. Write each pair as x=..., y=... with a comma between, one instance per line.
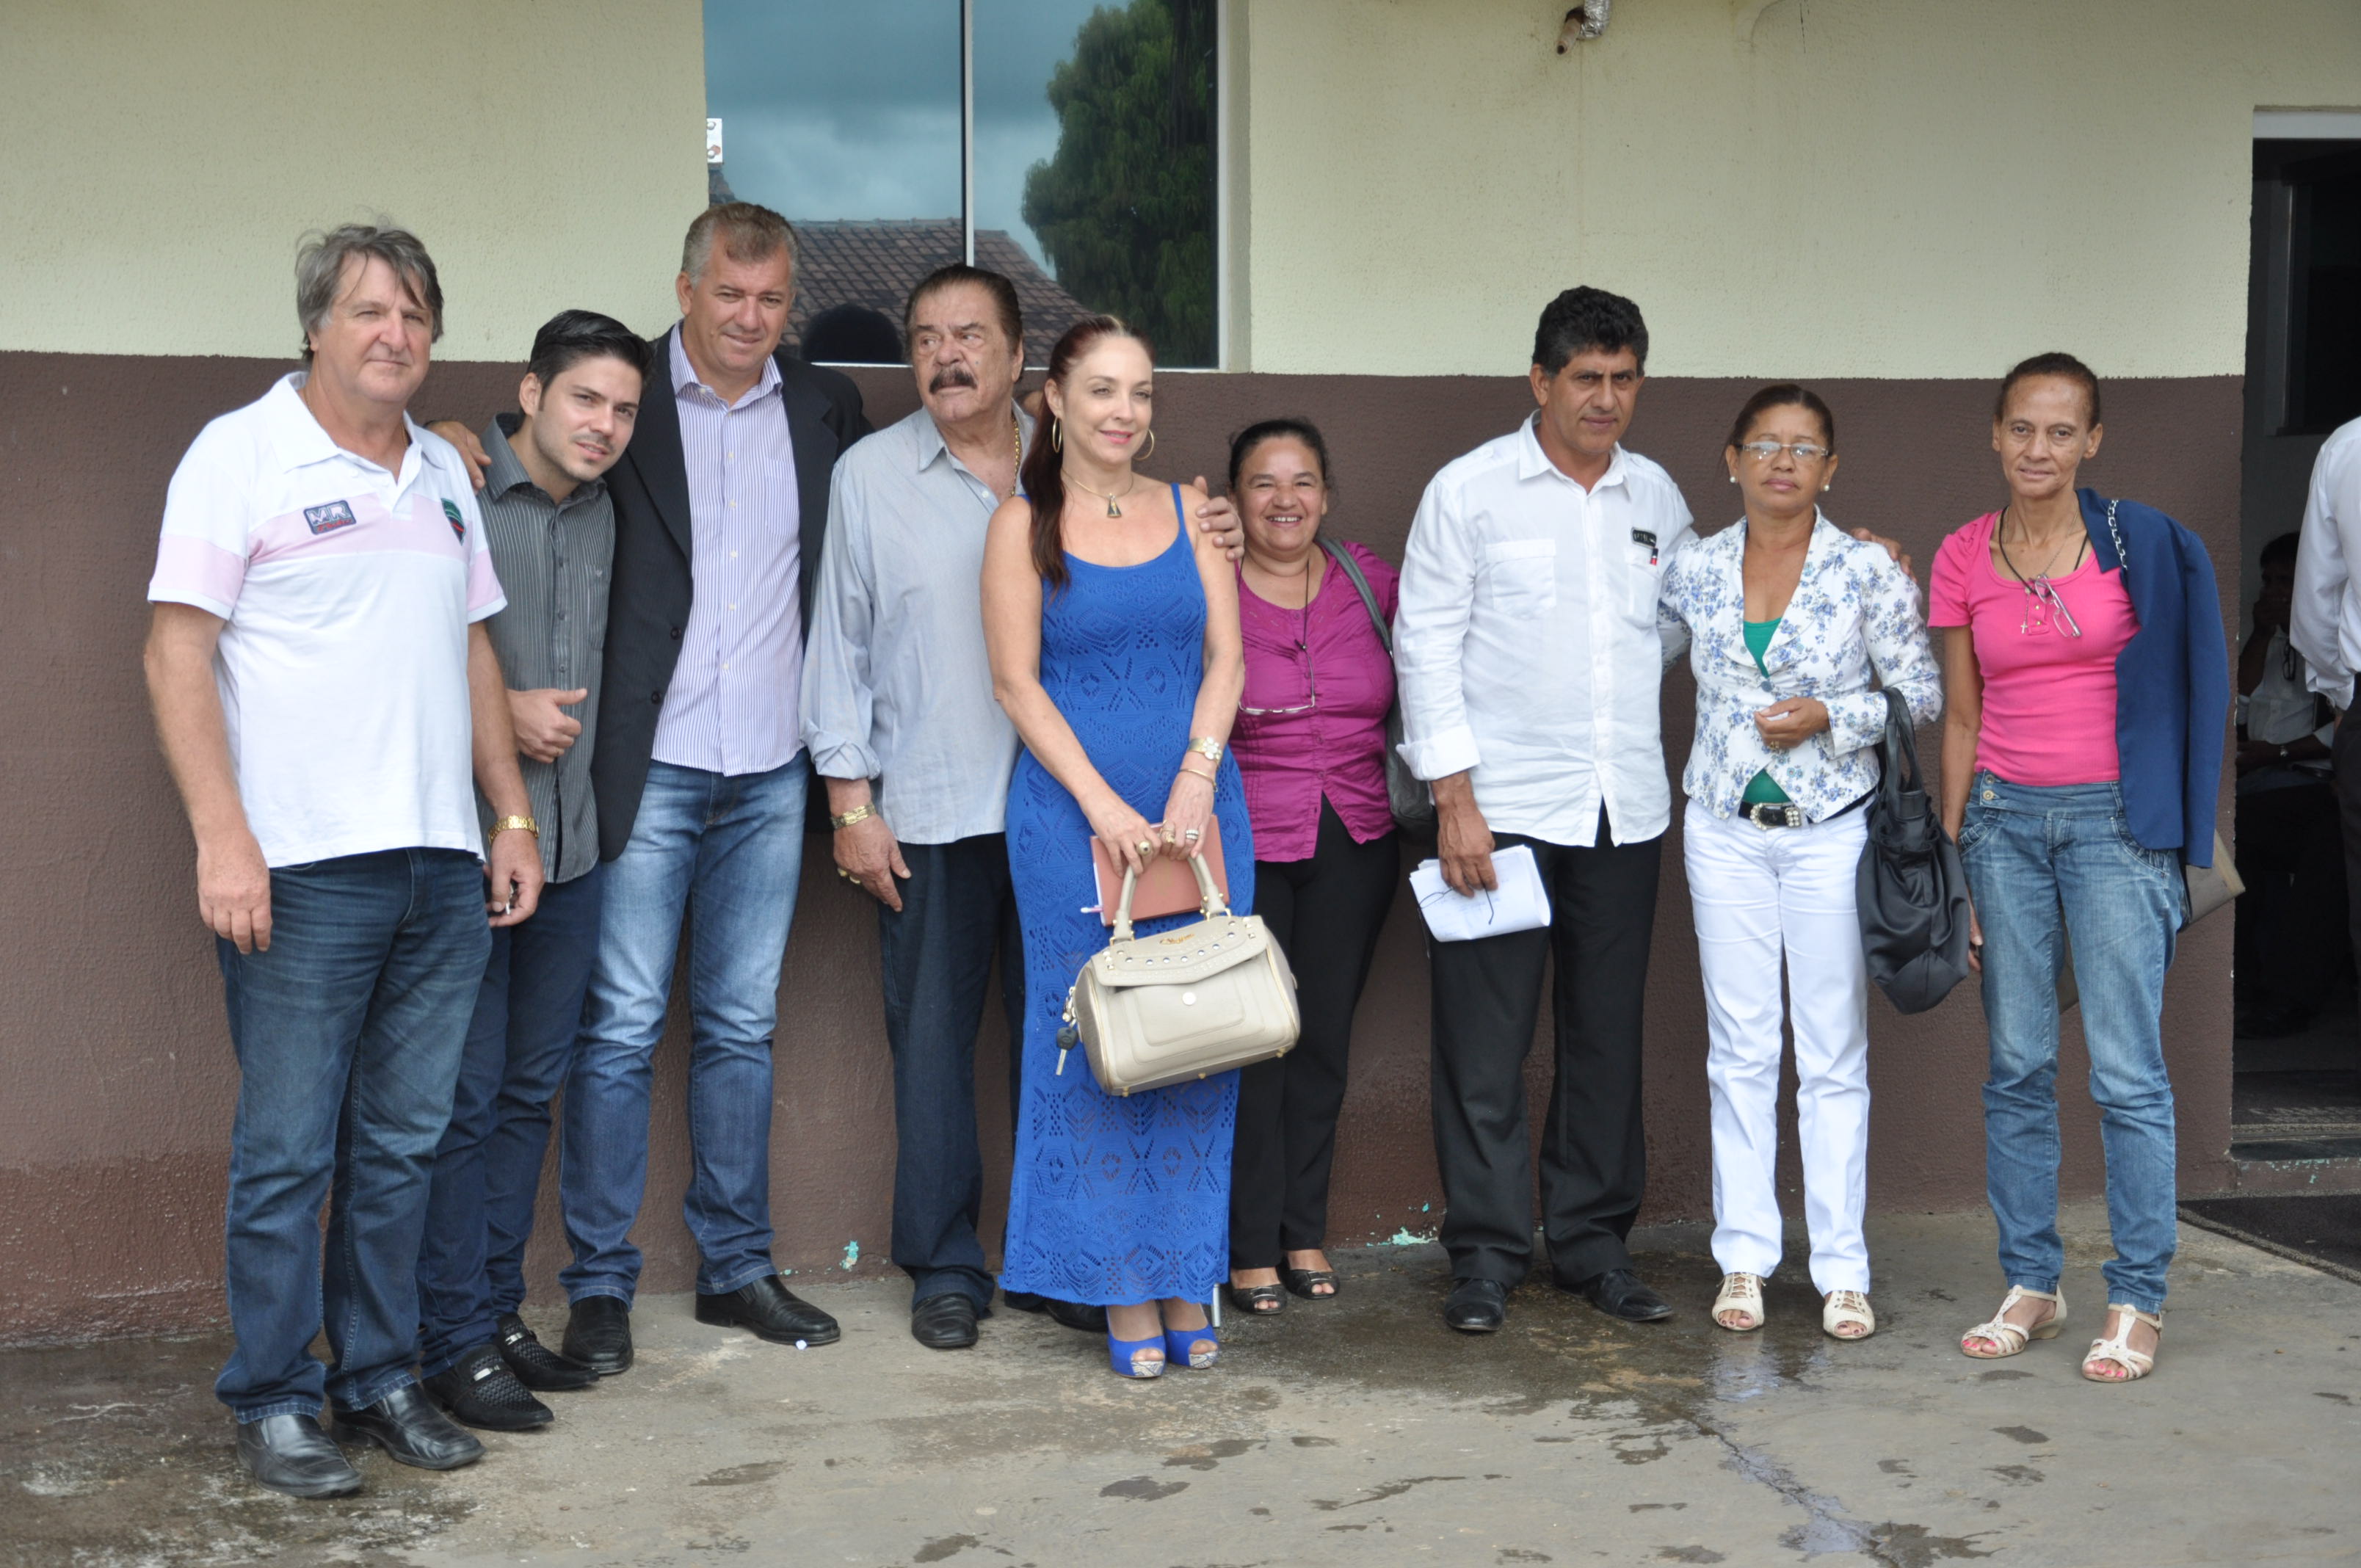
x=1620, y=1294
x=598, y=1334
x=1303, y=1282
x=406, y=1424
x=944, y=1322
x=768, y=1310
x=479, y=1390
x=1083, y=1315
x=291, y=1454
x=535, y=1365
x=1257, y=1301
x=1477, y=1305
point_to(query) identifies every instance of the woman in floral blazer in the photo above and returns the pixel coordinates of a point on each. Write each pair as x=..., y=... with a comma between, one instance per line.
x=1787, y=620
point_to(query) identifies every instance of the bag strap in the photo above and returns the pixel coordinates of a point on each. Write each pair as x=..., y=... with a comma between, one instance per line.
x=1344, y=558
x=1901, y=750
x=2123, y=557
x=1210, y=902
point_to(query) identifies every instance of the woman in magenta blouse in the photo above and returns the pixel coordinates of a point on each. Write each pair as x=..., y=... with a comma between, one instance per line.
x=1310, y=741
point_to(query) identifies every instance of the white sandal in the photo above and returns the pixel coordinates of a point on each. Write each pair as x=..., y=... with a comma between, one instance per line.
x=1739, y=1293
x=2012, y=1337
x=2136, y=1364
x=1847, y=1307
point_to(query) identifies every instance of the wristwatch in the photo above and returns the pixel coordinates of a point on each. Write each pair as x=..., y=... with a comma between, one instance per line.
x=861, y=813
x=1206, y=746
x=515, y=824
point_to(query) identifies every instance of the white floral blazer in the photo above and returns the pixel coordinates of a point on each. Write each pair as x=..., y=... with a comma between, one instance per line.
x=1854, y=611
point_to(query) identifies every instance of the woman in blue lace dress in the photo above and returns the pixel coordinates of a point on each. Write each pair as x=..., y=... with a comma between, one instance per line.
x=1113, y=634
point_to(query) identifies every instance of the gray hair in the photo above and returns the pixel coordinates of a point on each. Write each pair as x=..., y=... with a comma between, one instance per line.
x=320, y=272
x=747, y=233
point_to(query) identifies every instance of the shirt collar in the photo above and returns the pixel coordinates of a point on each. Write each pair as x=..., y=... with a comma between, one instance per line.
x=932, y=445
x=685, y=378
x=1532, y=462
x=300, y=440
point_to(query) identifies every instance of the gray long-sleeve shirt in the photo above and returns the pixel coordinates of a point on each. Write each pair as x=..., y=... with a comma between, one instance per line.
x=896, y=683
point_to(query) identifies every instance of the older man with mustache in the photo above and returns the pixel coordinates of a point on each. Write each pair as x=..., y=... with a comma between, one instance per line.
x=899, y=718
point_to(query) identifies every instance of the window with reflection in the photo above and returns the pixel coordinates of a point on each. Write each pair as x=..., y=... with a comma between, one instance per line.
x=1067, y=143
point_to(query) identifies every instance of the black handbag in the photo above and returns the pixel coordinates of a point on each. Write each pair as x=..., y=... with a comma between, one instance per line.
x=1411, y=800
x=1911, y=891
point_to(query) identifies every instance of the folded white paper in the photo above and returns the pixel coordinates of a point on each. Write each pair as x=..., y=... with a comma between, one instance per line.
x=1519, y=904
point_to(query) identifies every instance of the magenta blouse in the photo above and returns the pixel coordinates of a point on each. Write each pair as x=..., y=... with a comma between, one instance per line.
x=1326, y=663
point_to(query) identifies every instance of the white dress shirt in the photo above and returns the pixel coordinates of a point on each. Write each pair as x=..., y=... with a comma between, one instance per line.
x=1527, y=646
x=2325, y=623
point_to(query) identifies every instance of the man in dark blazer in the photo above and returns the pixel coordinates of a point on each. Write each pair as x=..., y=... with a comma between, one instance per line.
x=700, y=779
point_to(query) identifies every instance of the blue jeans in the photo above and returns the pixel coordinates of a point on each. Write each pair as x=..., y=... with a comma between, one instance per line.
x=2047, y=865
x=726, y=852
x=487, y=1168
x=348, y=1034
x=936, y=963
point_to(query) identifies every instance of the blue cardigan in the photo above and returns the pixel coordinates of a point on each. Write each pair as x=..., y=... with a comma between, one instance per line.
x=2172, y=679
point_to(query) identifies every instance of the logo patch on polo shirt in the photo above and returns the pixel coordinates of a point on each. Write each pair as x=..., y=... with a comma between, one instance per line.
x=458, y=523
x=330, y=518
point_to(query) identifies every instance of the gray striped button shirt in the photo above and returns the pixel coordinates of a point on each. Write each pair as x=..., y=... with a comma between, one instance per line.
x=553, y=558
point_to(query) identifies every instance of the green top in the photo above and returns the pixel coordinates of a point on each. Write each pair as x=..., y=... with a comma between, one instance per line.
x=1761, y=789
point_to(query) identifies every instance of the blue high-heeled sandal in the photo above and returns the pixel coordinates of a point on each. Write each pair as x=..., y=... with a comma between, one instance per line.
x=1180, y=1347
x=1120, y=1352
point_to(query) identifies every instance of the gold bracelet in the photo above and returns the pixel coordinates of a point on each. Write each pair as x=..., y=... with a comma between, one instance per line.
x=1194, y=774
x=513, y=824
x=1208, y=748
x=861, y=813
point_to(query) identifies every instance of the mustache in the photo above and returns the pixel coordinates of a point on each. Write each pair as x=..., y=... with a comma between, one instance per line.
x=952, y=376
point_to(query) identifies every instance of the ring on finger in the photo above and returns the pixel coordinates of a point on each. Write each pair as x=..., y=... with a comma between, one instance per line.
x=1144, y=845
x=1192, y=835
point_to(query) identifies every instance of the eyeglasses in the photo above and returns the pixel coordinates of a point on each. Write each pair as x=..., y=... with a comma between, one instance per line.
x=1801, y=451
x=1311, y=685
x=2044, y=608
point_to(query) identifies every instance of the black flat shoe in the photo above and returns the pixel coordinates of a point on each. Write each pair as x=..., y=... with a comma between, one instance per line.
x=406, y=1424
x=598, y=1334
x=1301, y=1282
x=944, y=1322
x=291, y=1455
x=479, y=1390
x=768, y=1310
x=1620, y=1294
x=535, y=1365
x=1257, y=1301
x=1081, y=1315
x=1477, y=1305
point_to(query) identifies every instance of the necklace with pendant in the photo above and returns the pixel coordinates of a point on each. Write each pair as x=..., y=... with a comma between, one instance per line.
x=1113, y=509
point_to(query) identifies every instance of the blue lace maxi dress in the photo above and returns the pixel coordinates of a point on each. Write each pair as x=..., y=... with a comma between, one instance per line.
x=1115, y=1200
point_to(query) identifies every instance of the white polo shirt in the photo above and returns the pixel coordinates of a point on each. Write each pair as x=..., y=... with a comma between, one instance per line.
x=1526, y=643
x=348, y=591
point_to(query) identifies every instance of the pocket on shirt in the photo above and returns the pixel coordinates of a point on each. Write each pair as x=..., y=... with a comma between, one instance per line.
x=1519, y=577
x=1644, y=578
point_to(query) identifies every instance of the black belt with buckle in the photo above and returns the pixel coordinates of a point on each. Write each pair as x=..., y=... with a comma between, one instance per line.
x=1772, y=814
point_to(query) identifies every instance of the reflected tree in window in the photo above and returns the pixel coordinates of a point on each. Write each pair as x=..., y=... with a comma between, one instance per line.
x=1125, y=207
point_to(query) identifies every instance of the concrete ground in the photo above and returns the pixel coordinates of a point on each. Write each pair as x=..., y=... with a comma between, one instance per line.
x=1359, y=1432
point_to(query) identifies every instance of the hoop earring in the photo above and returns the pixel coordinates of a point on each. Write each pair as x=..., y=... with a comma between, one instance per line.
x=1148, y=451
x=1056, y=441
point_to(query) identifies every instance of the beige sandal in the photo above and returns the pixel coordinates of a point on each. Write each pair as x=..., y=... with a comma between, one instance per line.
x=1739, y=1293
x=1847, y=1307
x=2117, y=1348
x=2012, y=1337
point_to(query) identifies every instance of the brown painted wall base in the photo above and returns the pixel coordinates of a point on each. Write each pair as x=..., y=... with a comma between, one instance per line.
x=114, y=1129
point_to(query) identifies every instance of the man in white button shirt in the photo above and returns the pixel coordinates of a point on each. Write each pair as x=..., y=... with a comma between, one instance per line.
x=2325, y=626
x=1529, y=658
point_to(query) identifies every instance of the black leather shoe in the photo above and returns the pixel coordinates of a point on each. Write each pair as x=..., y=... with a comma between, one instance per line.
x=1477, y=1305
x=480, y=1389
x=1083, y=1315
x=598, y=1334
x=1620, y=1294
x=768, y=1310
x=406, y=1424
x=291, y=1454
x=944, y=1322
x=536, y=1365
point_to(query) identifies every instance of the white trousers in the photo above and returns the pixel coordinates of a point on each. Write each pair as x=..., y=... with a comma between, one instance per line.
x=1757, y=894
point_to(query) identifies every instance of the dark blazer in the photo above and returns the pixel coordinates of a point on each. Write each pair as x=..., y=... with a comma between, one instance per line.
x=648, y=609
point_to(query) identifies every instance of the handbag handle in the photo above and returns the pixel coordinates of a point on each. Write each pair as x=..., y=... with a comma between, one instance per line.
x=1361, y=585
x=1901, y=752
x=1210, y=902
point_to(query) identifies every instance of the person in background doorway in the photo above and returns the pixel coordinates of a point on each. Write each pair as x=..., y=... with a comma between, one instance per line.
x=2086, y=689
x=323, y=687
x=551, y=530
x=1788, y=621
x=2290, y=941
x=1311, y=744
x=2324, y=628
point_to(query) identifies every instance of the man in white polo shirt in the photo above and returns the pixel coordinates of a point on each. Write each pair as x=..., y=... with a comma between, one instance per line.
x=322, y=692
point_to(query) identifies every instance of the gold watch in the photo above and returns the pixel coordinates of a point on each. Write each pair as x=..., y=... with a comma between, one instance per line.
x=513, y=824
x=1208, y=748
x=860, y=812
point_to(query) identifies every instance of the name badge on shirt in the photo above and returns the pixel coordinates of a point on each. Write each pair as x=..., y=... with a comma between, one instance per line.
x=1641, y=536
x=330, y=518
x=458, y=523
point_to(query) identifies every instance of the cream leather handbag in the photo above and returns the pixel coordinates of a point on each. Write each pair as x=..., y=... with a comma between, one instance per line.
x=1153, y=1011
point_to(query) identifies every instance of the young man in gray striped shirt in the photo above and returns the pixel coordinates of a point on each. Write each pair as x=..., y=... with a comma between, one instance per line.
x=551, y=530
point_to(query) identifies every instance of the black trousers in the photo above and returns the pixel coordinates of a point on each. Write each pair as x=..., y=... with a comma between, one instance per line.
x=2289, y=858
x=1487, y=1002
x=956, y=911
x=1326, y=913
